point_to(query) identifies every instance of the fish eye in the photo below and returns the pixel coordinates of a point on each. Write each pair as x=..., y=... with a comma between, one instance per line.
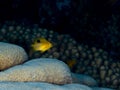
x=38, y=41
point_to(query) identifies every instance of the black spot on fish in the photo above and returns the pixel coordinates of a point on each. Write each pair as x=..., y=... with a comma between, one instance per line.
x=38, y=41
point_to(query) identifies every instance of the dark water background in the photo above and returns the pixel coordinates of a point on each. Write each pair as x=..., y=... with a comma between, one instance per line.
x=92, y=22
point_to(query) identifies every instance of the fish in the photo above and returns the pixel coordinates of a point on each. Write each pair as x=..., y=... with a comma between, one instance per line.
x=41, y=44
x=71, y=63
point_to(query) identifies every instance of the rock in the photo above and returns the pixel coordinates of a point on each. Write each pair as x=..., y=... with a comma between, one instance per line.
x=11, y=55
x=83, y=79
x=41, y=69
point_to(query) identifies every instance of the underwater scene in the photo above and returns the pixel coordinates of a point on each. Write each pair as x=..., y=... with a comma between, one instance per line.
x=60, y=45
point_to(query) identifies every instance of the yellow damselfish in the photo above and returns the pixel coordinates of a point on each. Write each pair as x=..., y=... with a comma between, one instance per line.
x=71, y=63
x=41, y=44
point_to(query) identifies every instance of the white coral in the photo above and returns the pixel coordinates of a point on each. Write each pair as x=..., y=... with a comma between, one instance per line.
x=11, y=55
x=42, y=69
